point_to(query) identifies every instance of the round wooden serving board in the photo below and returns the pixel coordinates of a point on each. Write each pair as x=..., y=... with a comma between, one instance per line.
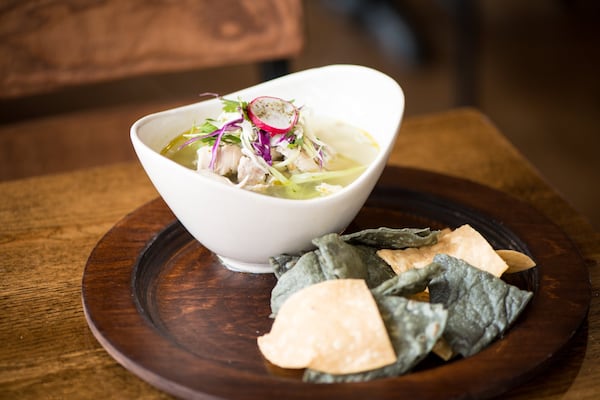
x=163, y=306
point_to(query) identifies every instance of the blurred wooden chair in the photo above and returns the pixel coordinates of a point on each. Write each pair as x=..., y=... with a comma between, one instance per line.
x=74, y=74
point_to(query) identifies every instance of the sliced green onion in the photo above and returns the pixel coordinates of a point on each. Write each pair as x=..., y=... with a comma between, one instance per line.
x=316, y=176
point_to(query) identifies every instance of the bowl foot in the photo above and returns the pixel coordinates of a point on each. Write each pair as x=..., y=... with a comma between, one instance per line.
x=239, y=266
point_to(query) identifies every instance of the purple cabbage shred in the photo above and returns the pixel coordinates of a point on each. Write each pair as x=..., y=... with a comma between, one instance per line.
x=262, y=146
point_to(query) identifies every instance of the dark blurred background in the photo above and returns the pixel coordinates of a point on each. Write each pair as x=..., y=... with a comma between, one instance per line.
x=531, y=66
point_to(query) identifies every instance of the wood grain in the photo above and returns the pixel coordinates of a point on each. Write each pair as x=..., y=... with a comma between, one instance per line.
x=49, y=226
x=46, y=45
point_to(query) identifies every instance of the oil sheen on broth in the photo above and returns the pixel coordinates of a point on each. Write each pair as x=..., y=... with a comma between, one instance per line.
x=354, y=148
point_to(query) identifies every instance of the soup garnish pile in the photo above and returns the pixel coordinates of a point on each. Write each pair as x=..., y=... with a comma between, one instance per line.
x=271, y=146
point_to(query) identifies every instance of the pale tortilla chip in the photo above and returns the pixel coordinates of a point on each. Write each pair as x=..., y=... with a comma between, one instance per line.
x=443, y=350
x=516, y=260
x=464, y=243
x=420, y=296
x=333, y=326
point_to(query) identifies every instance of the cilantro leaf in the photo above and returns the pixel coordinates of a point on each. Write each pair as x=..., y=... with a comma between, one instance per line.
x=234, y=105
x=206, y=127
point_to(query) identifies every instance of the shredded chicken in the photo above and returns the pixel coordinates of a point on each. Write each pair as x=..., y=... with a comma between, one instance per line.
x=249, y=173
x=228, y=158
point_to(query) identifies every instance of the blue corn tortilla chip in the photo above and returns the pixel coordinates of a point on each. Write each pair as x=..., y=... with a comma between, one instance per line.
x=307, y=271
x=378, y=271
x=408, y=283
x=481, y=307
x=338, y=259
x=392, y=238
x=282, y=263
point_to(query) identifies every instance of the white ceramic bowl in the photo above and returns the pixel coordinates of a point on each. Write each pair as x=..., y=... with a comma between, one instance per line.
x=245, y=228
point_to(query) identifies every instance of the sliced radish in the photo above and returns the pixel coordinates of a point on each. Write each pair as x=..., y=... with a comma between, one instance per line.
x=272, y=114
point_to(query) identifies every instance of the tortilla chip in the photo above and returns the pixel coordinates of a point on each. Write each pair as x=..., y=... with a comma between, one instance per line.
x=464, y=243
x=333, y=326
x=443, y=350
x=392, y=238
x=421, y=296
x=516, y=260
x=481, y=307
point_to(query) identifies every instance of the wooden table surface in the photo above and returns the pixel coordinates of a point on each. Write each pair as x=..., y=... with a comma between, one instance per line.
x=49, y=225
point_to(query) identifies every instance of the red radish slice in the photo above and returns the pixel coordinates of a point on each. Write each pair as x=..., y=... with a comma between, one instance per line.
x=272, y=114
